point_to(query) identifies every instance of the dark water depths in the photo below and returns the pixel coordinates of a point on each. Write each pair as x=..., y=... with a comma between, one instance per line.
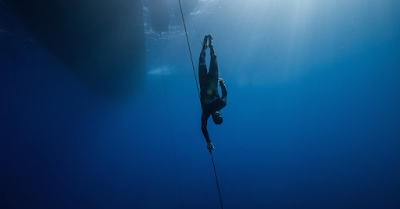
x=312, y=119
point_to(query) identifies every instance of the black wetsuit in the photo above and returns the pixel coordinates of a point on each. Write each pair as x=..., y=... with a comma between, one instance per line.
x=209, y=95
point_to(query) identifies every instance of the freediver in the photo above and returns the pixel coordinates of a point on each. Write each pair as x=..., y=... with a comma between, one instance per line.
x=211, y=102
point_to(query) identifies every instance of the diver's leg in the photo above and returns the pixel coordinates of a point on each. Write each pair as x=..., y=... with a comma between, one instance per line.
x=213, y=64
x=202, y=61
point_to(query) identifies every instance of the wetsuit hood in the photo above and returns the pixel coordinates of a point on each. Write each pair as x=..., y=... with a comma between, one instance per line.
x=217, y=117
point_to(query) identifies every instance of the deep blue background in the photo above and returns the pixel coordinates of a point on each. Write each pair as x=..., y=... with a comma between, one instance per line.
x=312, y=119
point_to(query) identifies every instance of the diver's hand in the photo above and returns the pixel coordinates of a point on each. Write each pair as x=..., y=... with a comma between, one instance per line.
x=221, y=81
x=210, y=146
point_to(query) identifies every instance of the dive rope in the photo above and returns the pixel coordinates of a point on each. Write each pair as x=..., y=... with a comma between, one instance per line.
x=198, y=92
x=190, y=51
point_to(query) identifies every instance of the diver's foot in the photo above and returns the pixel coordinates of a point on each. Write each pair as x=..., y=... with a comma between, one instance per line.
x=205, y=42
x=210, y=146
x=210, y=40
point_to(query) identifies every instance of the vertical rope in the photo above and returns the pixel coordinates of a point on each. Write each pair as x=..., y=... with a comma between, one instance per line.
x=170, y=126
x=194, y=26
x=216, y=178
x=198, y=92
x=190, y=51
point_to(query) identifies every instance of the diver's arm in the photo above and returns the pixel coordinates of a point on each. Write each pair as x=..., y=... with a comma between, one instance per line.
x=223, y=89
x=204, y=119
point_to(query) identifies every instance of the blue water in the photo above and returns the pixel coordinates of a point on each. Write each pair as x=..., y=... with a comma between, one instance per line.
x=312, y=119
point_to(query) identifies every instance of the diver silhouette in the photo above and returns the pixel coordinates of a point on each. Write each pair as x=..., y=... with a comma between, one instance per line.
x=211, y=102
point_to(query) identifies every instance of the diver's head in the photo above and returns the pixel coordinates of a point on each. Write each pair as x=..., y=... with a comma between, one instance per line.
x=217, y=117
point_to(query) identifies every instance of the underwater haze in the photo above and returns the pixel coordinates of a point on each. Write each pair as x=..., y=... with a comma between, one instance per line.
x=312, y=117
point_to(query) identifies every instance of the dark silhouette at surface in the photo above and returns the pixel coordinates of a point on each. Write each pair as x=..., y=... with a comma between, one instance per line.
x=100, y=42
x=159, y=16
x=211, y=102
